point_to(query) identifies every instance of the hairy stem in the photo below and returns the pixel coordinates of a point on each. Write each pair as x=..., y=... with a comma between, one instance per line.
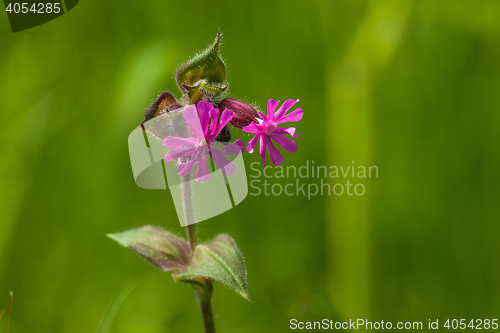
x=204, y=294
x=191, y=231
x=187, y=200
x=205, y=300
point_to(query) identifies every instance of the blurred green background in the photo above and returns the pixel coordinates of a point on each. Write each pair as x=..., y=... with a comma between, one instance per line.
x=412, y=87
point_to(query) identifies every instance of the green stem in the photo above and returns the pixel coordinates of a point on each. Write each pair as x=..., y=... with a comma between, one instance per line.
x=204, y=294
x=187, y=200
x=191, y=231
x=205, y=300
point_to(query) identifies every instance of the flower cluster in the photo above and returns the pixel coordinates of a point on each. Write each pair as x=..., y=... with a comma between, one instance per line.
x=206, y=125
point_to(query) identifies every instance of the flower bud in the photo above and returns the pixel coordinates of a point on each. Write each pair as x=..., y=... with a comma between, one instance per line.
x=164, y=103
x=243, y=113
x=206, y=66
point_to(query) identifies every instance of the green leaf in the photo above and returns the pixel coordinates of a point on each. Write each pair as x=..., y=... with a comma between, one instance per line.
x=162, y=248
x=206, y=66
x=218, y=260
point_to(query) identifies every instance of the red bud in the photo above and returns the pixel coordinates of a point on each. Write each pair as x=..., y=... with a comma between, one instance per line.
x=243, y=113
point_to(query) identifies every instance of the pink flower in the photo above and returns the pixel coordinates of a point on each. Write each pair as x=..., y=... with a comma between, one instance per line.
x=196, y=149
x=267, y=129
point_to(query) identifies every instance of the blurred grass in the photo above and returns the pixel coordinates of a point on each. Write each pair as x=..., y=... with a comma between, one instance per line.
x=411, y=87
x=109, y=316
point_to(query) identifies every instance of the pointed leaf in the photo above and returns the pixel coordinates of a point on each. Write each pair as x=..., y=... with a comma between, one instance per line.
x=218, y=260
x=206, y=66
x=162, y=248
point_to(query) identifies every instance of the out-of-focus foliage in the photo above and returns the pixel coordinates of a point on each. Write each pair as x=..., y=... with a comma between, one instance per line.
x=408, y=86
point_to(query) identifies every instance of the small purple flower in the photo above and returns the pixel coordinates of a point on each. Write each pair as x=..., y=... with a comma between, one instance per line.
x=195, y=150
x=268, y=129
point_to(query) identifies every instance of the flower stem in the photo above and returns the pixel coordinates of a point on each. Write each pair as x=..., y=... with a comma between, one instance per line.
x=204, y=294
x=191, y=231
x=187, y=200
x=205, y=300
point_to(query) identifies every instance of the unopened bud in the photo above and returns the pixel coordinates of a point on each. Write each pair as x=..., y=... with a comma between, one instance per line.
x=243, y=113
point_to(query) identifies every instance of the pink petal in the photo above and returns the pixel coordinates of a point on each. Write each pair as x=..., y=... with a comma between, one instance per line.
x=191, y=116
x=271, y=106
x=289, y=103
x=251, y=144
x=286, y=130
x=186, y=168
x=214, y=115
x=203, y=150
x=252, y=128
x=204, y=112
x=240, y=144
x=224, y=119
x=287, y=144
x=263, y=143
x=263, y=116
x=175, y=142
x=176, y=153
x=294, y=116
x=276, y=156
x=234, y=148
x=201, y=175
x=222, y=162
